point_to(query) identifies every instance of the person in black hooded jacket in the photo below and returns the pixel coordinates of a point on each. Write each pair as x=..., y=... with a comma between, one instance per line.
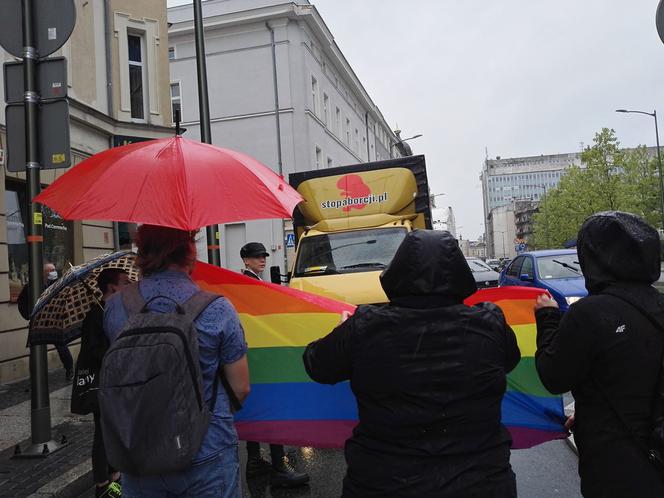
x=609, y=354
x=429, y=374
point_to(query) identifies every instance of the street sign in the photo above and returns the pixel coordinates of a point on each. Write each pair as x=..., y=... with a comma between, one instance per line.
x=53, y=123
x=51, y=80
x=290, y=240
x=52, y=27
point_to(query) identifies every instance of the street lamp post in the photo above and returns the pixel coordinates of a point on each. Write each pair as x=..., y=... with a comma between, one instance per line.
x=502, y=237
x=653, y=114
x=400, y=141
x=432, y=199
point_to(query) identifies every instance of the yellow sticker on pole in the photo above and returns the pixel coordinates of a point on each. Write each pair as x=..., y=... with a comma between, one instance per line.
x=217, y=236
x=58, y=158
x=37, y=218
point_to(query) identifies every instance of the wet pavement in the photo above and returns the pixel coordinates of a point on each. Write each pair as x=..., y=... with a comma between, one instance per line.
x=545, y=471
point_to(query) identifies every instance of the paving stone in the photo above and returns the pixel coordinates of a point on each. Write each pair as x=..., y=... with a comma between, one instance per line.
x=23, y=477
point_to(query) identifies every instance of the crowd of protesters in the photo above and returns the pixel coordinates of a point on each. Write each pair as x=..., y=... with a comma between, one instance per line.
x=428, y=372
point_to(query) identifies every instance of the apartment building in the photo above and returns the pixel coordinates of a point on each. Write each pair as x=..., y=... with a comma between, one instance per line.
x=118, y=87
x=281, y=91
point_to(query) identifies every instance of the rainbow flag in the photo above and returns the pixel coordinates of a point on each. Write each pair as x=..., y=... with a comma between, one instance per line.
x=285, y=406
x=531, y=413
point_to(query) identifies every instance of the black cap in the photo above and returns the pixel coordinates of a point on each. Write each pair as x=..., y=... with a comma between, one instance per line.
x=253, y=250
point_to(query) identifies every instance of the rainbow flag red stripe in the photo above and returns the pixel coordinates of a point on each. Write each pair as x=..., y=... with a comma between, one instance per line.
x=287, y=407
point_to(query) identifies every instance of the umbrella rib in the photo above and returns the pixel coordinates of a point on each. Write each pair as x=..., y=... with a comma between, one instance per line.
x=261, y=181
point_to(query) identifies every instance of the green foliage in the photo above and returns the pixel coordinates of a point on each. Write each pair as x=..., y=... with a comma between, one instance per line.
x=612, y=179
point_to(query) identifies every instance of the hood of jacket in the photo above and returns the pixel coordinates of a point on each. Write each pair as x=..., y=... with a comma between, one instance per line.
x=428, y=263
x=616, y=247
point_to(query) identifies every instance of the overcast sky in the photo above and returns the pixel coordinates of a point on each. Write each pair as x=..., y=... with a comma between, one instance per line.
x=517, y=77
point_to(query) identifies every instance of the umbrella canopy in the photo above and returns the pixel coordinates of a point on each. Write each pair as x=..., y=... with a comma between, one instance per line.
x=59, y=313
x=171, y=182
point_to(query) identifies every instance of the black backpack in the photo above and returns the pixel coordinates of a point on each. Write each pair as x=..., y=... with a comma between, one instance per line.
x=153, y=410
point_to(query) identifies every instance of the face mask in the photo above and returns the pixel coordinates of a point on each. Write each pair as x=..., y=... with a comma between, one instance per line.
x=53, y=275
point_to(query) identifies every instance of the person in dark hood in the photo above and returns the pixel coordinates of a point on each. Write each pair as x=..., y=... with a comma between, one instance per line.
x=429, y=374
x=608, y=352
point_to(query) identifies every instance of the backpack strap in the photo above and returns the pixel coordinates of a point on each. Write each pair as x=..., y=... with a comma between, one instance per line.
x=197, y=303
x=132, y=299
x=193, y=307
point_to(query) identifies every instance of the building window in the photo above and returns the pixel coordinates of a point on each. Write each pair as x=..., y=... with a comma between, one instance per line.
x=58, y=245
x=337, y=121
x=171, y=53
x=136, y=76
x=314, y=95
x=176, y=99
x=348, y=132
x=319, y=157
x=326, y=107
x=329, y=162
x=356, y=144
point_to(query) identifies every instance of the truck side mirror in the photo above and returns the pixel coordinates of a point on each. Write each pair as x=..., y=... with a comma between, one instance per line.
x=275, y=275
x=525, y=277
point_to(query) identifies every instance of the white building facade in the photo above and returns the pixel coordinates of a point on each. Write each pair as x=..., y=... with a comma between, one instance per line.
x=443, y=219
x=505, y=181
x=281, y=91
x=503, y=231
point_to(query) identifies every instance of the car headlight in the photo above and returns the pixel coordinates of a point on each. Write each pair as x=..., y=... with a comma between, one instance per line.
x=572, y=299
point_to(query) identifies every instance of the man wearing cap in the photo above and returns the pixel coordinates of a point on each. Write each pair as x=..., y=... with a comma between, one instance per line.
x=282, y=473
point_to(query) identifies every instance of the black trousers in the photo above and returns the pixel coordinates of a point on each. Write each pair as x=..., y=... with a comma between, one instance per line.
x=276, y=451
x=101, y=470
x=65, y=357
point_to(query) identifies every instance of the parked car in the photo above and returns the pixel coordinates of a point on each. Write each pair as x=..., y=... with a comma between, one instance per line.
x=556, y=270
x=484, y=275
x=494, y=264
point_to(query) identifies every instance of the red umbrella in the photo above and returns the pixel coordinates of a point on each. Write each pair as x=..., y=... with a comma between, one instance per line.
x=171, y=182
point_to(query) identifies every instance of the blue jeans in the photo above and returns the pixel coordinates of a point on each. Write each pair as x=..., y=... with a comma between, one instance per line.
x=218, y=477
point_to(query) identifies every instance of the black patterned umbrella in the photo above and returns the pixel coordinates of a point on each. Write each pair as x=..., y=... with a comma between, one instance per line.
x=59, y=313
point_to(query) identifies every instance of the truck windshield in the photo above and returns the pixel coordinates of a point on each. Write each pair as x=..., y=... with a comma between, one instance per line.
x=346, y=252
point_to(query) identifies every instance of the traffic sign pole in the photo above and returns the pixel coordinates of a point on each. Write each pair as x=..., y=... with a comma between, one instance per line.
x=40, y=412
x=30, y=29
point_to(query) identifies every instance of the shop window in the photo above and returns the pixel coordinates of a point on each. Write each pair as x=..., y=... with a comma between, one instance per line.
x=58, y=247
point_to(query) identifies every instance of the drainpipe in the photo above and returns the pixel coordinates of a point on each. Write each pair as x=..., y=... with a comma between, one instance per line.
x=280, y=163
x=109, y=95
x=276, y=96
x=366, y=124
x=109, y=67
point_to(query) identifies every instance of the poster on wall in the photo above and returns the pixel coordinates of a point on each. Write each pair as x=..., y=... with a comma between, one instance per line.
x=58, y=245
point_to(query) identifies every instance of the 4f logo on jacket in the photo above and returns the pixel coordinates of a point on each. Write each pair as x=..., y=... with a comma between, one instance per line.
x=621, y=329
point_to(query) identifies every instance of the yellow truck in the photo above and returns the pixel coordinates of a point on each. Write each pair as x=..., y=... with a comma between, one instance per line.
x=351, y=223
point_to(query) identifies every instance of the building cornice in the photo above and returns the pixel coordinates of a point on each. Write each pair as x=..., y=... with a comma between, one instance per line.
x=295, y=12
x=93, y=118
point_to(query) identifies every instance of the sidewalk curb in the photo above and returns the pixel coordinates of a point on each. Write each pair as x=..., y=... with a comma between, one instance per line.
x=72, y=483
